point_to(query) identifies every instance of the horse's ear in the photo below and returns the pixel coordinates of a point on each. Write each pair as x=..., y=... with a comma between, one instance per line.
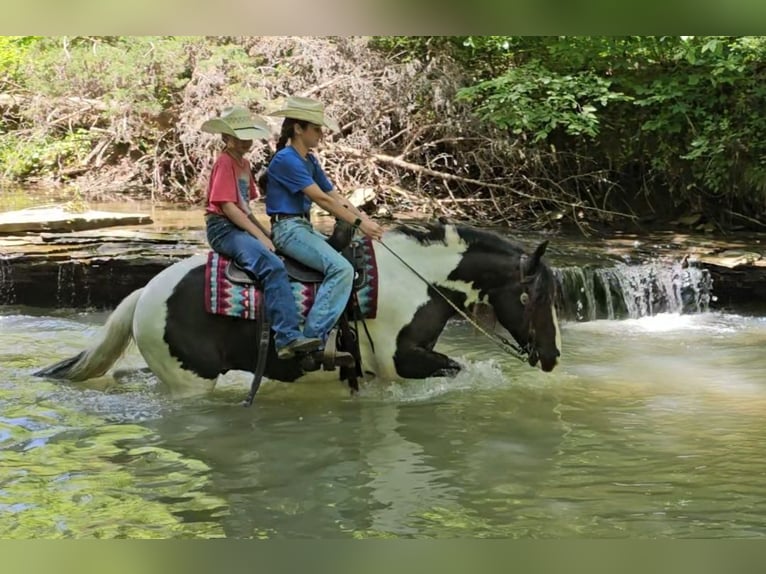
x=437, y=223
x=530, y=267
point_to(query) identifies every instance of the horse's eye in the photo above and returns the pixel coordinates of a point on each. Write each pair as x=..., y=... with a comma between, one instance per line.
x=524, y=298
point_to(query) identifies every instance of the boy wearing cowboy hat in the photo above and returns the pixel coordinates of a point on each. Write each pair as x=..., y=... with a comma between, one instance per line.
x=233, y=231
x=295, y=181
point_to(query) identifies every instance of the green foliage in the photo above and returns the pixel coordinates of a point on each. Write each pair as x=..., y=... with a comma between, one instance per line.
x=23, y=156
x=676, y=120
x=140, y=72
x=535, y=101
x=702, y=116
x=232, y=62
x=686, y=111
x=13, y=50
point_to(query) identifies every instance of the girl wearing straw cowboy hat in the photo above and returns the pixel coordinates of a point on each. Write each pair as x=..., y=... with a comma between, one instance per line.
x=233, y=231
x=295, y=180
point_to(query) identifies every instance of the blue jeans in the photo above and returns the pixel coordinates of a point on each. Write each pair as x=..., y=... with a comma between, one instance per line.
x=250, y=254
x=295, y=237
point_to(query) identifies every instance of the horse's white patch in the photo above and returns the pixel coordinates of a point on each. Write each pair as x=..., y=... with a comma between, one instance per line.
x=556, y=325
x=455, y=243
x=401, y=291
x=149, y=330
x=433, y=263
x=502, y=331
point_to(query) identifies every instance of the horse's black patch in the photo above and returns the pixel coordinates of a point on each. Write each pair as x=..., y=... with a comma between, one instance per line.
x=414, y=357
x=223, y=343
x=504, y=258
x=208, y=345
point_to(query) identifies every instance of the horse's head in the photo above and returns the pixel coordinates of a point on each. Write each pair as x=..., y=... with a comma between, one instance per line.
x=525, y=307
x=520, y=288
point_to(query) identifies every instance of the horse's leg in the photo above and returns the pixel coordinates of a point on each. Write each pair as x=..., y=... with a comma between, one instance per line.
x=414, y=357
x=418, y=363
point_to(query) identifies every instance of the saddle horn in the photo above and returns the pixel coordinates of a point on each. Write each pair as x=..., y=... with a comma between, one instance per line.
x=342, y=235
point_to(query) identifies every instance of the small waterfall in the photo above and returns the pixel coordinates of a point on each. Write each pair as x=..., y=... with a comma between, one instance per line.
x=66, y=285
x=7, y=288
x=632, y=291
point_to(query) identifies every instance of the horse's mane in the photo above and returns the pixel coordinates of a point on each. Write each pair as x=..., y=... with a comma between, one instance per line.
x=489, y=241
x=436, y=232
x=543, y=281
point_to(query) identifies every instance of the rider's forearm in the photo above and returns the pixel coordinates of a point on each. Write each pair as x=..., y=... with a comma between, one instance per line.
x=337, y=209
x=336, y=195
x=258, y=224
x=242, y=220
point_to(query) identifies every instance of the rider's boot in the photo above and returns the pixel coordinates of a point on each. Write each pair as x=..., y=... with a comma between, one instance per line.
x=299, y=345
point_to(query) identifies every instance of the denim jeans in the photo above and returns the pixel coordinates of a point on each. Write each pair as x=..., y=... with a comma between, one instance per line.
x=250, y=254
x=295, y=237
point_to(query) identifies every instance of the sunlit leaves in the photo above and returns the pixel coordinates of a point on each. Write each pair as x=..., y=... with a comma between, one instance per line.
x=536, y=101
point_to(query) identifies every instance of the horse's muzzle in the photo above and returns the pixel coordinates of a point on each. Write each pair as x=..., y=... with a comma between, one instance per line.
x=547, y=363
x=547, y=366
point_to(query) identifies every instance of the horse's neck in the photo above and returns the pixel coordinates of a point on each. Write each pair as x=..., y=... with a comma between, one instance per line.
x=433, y=261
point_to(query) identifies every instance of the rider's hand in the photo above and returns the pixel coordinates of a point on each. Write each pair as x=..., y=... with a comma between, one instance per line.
x=268, y=244
x=371, y=229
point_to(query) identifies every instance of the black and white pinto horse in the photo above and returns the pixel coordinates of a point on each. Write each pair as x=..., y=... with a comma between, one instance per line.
x=426, y=275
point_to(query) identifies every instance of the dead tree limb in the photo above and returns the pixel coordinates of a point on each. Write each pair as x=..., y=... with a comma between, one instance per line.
x=420, y=170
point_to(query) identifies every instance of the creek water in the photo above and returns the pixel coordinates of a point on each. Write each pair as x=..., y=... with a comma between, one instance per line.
x=650, y=427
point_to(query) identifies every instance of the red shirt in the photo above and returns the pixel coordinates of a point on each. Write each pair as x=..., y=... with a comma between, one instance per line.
x=231, y=181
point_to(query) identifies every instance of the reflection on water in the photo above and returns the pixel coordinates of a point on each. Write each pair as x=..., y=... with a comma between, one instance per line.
x=12, y=198
x=649, y=428
x=166, y=216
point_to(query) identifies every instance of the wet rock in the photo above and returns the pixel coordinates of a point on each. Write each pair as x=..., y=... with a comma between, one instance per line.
x=86, y=269
x=60, y=219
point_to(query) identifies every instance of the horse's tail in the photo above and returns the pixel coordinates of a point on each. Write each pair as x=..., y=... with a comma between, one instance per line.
x=110, y=345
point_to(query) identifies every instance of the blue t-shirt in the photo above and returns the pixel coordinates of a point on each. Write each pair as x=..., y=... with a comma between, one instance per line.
x=289, y=174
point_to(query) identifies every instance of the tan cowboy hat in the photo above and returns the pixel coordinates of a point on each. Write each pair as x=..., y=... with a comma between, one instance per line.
x=307, y=109
x=238, y=122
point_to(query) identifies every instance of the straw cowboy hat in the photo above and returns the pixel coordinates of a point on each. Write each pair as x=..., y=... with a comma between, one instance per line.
x=238, y=122
x=306, y=109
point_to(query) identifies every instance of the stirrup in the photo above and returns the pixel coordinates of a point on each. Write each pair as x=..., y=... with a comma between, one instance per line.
x=330, y=349
x=332, y=357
